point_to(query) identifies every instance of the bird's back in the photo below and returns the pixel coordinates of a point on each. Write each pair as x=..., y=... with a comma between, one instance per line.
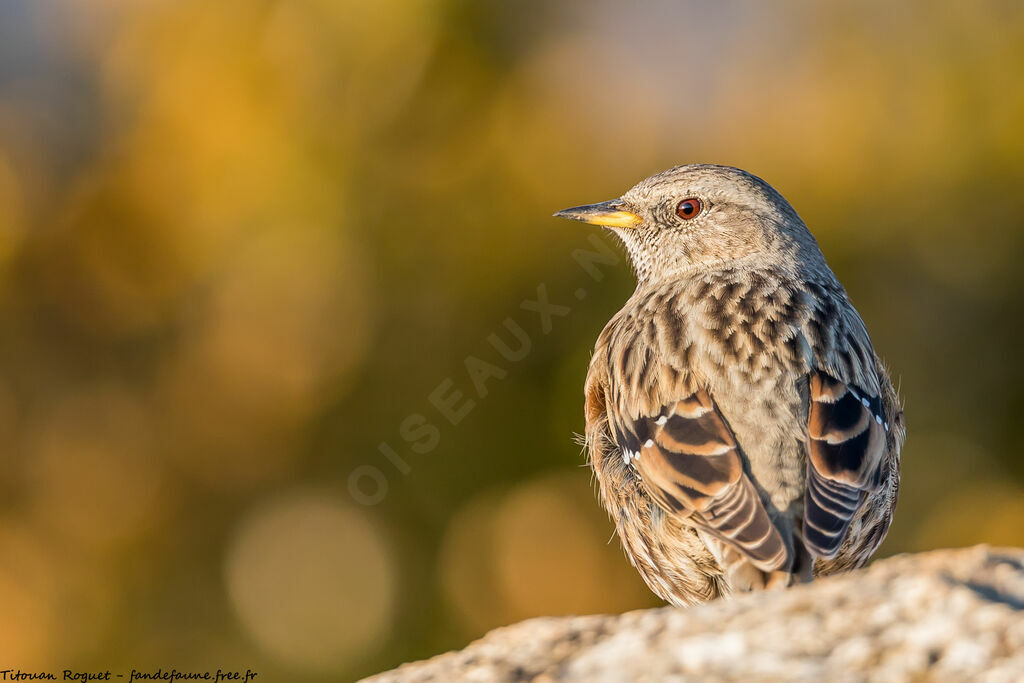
x=749, y=340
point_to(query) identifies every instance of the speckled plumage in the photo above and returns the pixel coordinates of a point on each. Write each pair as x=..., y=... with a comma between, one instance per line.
x=742, y=429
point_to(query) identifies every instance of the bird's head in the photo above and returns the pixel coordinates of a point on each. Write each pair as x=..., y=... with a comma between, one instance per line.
x=703, y=217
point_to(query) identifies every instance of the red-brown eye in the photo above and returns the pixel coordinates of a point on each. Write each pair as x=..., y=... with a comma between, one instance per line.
x=688, y=208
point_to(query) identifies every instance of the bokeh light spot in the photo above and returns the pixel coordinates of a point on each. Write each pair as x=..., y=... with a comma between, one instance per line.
x=97, y=478
x=28, y=594
x=312, y=581
x=540, y=549
x=284, y=321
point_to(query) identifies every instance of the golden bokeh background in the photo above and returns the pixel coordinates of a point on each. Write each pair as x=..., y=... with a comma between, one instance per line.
x=255, y=255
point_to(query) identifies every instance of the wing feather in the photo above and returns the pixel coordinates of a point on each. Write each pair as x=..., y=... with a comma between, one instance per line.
x=690, y=464
x=845, y=447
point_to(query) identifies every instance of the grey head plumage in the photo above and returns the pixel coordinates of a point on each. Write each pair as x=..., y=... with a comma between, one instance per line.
x=742, y=221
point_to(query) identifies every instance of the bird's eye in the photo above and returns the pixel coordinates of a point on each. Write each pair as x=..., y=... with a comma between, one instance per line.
x=688, y=208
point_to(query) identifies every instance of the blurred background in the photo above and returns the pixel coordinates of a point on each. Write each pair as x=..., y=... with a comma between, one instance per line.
x=254, y=254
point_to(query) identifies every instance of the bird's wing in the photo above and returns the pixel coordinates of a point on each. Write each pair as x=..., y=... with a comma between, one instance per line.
x=847, y=424
x=846, y=442
x=690, y=464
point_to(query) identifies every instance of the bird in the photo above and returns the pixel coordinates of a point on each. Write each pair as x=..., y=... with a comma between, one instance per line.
x=743, y=432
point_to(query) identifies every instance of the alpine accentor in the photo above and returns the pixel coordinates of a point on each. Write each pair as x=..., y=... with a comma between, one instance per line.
x=743, y=431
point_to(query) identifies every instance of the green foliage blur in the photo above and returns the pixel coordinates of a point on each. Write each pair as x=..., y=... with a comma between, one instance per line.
x=252, y=254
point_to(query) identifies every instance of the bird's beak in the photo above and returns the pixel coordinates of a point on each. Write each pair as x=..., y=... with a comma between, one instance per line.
x=612, y=214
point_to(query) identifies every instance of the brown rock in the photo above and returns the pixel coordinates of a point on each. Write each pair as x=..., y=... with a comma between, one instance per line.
x=947, y=615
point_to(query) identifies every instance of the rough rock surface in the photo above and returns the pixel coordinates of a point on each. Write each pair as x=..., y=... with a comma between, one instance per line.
x=948, y=615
